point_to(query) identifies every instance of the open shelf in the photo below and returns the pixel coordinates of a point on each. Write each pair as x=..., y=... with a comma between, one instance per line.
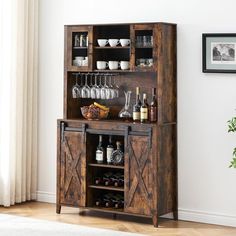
x=80, y=47
x=120, y=189
x=106, y=166
x=109, y=47
x=107, y=209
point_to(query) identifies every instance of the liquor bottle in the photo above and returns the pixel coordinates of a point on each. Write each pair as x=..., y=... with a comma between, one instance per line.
x=100, y=151
x=110, y=149
x=144, y=109
x=153, y=107
x=117, y=155
x=107, y=179
x=137, y=106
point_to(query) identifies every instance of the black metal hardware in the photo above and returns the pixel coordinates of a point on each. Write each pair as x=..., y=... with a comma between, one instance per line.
x=62, y=131
x=150, y=138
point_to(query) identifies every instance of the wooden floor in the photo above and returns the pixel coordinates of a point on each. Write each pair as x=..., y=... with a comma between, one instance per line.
x=122, y=223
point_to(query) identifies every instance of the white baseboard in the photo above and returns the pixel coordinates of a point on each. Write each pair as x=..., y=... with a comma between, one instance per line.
x=184, y=214
x=46, y=197
x=207, y=217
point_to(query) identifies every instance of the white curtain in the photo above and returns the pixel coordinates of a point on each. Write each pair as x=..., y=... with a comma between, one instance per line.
x=18, y=100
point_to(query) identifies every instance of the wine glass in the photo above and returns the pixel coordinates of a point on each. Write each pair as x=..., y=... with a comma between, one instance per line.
x=112, y=90
x=86, y=88
x=93, y=87
x=103, y=91
x=76, y=88
x=116, y=88
x=107, y=89
x=98, y=88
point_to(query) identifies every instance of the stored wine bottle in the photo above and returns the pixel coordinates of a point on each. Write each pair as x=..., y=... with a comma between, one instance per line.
x=110, y=149
x=117, y=156
x=99, y=202
x=137, y=106
x=100, y=151
x=153, y=107
x=108, y=200
x=107, y=179
x=118, y=180
x=118, y=201
x=98, y=180
x=144, y=110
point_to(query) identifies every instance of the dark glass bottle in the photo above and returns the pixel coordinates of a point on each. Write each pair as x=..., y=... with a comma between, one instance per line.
x=118, y=201
x=153, y=107
x=98, y=180
x=100, y=151
x=110, y=149
x=137, y=106
x=99, y=202
x=118, y=155
x=144, y=110
x=118, y=180
x=108, y=179
x=108, y=200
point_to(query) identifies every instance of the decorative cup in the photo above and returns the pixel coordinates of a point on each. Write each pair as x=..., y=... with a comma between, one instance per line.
x=102, y=42
x=124, y=65
x=113, y=65
x=113, y=42
x=101, y=65
x=124, y=42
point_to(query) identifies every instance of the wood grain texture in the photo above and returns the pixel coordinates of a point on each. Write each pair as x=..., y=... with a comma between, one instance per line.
x=150, y=158
x=46, y=211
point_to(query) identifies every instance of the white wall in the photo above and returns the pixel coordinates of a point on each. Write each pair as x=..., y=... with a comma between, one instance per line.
x=205, y=101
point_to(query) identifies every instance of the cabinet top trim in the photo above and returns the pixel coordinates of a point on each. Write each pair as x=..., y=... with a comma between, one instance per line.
x=114, y=24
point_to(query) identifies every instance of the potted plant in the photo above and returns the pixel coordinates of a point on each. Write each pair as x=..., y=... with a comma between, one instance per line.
x=232, y=128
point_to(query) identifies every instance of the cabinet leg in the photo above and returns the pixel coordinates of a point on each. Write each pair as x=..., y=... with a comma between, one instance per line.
x=175, y=214
x=58, y=209
x=155, y=220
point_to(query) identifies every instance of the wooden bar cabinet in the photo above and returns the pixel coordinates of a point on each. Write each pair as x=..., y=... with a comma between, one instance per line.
x=150, y=149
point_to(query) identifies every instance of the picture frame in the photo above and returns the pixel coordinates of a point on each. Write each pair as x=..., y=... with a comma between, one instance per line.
x=218, y=53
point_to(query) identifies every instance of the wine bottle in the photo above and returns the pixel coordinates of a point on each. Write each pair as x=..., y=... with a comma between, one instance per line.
x=137, y=106
x=99, y=202
x=153, y=107
x=107, y=179
x=118, y=201
x=98, y=180
x=100, y=151
x=110, y=149
x=117, y=155
x=118, y=180
x=108, y=200
x=144, y=110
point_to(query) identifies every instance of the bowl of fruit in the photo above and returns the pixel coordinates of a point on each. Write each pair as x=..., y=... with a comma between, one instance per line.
x=95, y=111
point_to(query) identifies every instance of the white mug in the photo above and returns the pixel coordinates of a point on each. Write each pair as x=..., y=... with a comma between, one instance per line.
x=101, y=65
x=79, y=58
x=85, y=63
x=102, y=42
x=113, y=42
x=124, y=65
x=124, y=42
x=113, y=65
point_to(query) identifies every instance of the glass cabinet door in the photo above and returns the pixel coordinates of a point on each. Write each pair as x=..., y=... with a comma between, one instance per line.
x=143, y=47
x=79, y=48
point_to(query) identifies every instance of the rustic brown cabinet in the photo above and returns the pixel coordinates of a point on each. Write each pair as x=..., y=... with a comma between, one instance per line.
x=150, y=149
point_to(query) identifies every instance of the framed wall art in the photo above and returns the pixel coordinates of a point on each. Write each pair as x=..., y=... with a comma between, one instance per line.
x=218, y=53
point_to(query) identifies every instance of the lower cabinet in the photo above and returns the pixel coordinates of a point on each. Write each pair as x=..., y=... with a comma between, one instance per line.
x=148, y=187
x=139, y=176
x=72, y=169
